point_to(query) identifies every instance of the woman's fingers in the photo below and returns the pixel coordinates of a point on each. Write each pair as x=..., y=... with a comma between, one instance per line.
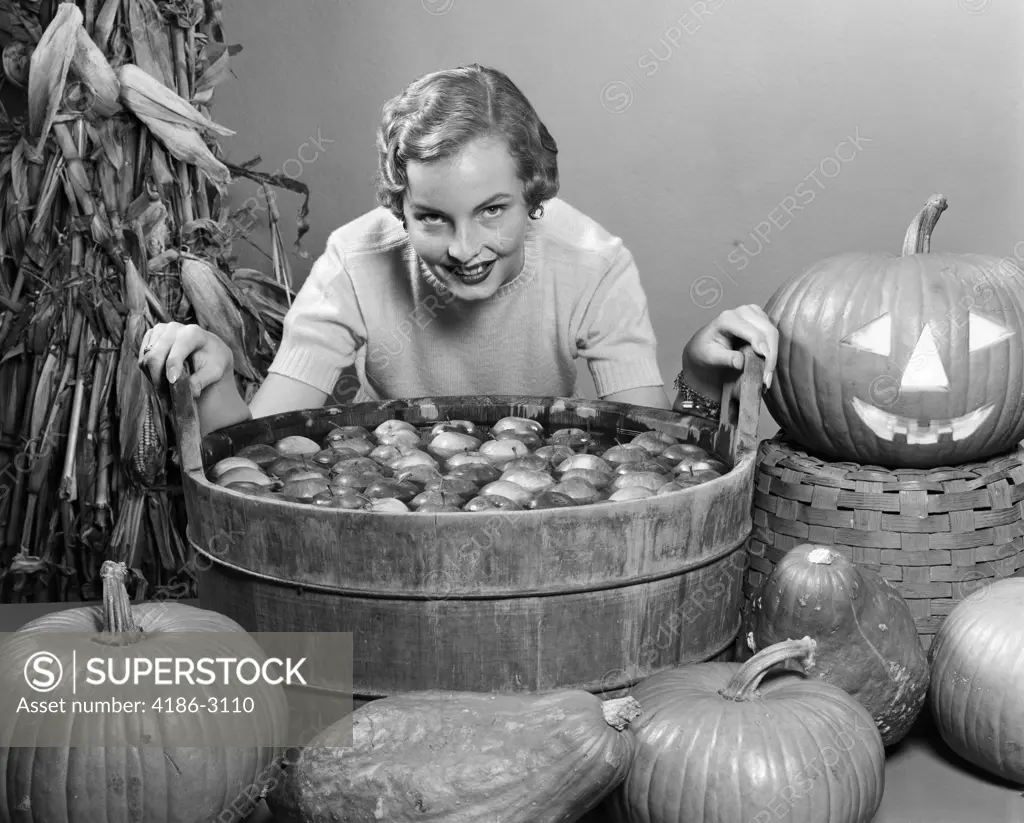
x=751, y=324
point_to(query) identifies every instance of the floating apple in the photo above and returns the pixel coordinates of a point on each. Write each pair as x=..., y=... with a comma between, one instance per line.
x=328, y=457
x=244, y=474
x=682, y=451
x=347, y=433
x=386, y=504
x=550, y=499
x=498, y=450
x=347, y=499
x=402, y=437
x=453, y=484
x=463, y=426
x=532, y=481
x=391, y=427
x=229, y=463
x=416, y=458
x=466, y=458
x=579, y=489
x=630, y=493
x=420, y=474
x=598, y=479
x=530, y=461
x=506, y=488
x=520, y=425
x=361, y=464
x=572, y=438
x=625, y=453
x=436, y=498
x=262, y=454
x=654, y=442
x=389, y=487
x=481, y=474
x=554, y=455
x=296, y=444
x=585, y=461
x=305, y=489
x=449, y=443
x=647, y=480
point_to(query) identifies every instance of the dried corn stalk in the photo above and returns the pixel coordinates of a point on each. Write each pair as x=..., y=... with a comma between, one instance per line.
x=113, y=194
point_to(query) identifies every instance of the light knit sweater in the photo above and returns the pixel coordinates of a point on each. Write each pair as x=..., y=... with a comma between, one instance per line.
x=370, y=300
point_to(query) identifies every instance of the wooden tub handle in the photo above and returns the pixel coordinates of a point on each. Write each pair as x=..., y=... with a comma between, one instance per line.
x=185, y=414
x=740, y=412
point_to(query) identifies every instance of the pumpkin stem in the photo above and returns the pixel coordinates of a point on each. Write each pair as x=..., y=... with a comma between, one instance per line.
x=119, y=625
x=619, y=711
x=820, y=556
x=919, y=236
x=745, y=682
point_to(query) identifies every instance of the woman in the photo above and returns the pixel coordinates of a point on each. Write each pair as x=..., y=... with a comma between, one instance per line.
x=470, y=278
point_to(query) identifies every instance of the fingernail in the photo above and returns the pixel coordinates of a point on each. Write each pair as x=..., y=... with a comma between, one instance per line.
x=738, y=361
x=761, y=349
x=172, y=375
x=768, y=380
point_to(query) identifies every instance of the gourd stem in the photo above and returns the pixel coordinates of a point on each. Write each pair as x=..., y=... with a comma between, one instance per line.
x=119, y=625
x=919, y=236
x=619, y=711
x=745, y=682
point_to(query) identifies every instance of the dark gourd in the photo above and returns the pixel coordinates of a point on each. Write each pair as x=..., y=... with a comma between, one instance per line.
x=868, y=644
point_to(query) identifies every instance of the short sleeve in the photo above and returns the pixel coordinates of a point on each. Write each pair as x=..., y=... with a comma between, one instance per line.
x=615, y=335
x=324, y=329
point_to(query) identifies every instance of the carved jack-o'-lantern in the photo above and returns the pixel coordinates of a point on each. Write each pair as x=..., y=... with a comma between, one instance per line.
x=914, y=361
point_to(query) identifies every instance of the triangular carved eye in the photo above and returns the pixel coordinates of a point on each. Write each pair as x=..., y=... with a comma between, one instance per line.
x=984, y=332
x=875, y=337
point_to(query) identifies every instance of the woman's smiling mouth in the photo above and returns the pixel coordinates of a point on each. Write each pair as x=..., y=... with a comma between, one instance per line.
x=471, y=275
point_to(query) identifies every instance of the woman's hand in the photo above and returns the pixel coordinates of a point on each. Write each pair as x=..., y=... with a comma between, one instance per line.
x=166, y=346
x=711, y=357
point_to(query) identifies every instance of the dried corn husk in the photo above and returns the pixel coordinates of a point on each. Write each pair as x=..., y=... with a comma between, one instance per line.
x=16, y=58
x=49, y=70
x=219, y=304
x=92, y=69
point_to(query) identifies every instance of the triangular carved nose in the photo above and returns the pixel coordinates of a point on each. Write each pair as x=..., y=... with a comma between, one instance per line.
x=925, y=371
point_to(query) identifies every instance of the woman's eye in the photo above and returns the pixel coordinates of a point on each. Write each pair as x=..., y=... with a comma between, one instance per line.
x=430, y=218
x=494, y=211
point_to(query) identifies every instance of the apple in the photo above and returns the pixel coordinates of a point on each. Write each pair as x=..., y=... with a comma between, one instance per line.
x=630, y=493
x=529, y=439
x=530, y=461
x=401, y=437
x=678, y=485
x=520, y=425
x=420, y=474
x=597, y=479
x=415, y=458
x=467, y=458
x=389, y=487
x=347, y=433
x=461, y=426
x=647, y=480
x=355, y=479
x=363, y=464
x=389, y=451
x=625, y=453
x=679, y=451
x=262, y=454
x=283, y=465
x=572, y=438
x=505, y=488
x=655, y=442
x=550, y=499
x=347, y=499
x=304, y=474
x=448, y=443
x=480, y=474
x=246, y=487
x=498, y=450
x=553, y=455
x=391, y=427
x=386, y=504
x=235, y=462
x=246, y=474
x=648, y=465
x=694, y=465
x=296, y=445
x=532, y=481
x=585, y=461
x=433, y=508
x=462, y=486
x=305, y=488
x=437, y=498
x=578, y=488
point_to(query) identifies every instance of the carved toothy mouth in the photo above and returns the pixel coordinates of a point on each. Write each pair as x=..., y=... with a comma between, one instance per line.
x=886, y=426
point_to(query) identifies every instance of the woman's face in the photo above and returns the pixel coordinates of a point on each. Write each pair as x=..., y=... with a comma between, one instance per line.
x=467, y=218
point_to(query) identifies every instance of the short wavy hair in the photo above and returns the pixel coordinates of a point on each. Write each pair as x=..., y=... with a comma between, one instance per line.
x=440, y=113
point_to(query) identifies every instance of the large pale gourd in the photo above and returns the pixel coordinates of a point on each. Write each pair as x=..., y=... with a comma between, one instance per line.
x=461, y=757
x=133, y=784
x=867, y=642
x=976, y=693
x=914, y=361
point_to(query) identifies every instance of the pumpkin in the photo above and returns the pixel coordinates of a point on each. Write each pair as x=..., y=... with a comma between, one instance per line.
x=977, y=660
x=867, y=641
x=136, y=783
x=461, y=757
x=715, y=746
x=914, y=361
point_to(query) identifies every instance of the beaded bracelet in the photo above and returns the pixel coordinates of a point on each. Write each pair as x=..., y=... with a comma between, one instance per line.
x=693, y=402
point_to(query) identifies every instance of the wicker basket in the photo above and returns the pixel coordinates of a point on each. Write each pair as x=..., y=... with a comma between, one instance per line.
x=937, y=534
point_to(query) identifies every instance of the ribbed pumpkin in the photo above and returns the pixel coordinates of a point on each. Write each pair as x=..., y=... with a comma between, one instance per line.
x=976, y=693
x=131, y=784
x=715, y=746
x=914, y=361
x=867, y=642
x=461, y=757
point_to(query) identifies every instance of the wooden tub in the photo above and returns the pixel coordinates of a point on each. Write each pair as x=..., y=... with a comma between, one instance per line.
x=593, y=597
